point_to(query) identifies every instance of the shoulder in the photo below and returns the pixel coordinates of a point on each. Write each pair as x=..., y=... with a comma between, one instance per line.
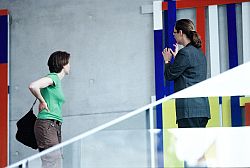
x=54, y=78
x=183, y=52
x=191, y=50
x=188, y=48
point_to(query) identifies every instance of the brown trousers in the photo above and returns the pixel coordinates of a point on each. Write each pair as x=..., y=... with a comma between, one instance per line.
x=48, y=134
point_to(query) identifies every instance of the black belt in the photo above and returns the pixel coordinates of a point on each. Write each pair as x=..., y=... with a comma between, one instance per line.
x=55, y=121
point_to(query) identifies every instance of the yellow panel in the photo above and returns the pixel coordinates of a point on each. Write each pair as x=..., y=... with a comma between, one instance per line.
x=169, y=121
x=226, y=112
x=168, y=114
x=244, y=100
x=214, y=111
x=170, y=158
x=211, y=152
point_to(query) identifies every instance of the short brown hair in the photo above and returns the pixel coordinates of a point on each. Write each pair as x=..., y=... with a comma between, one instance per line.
x=57, y=60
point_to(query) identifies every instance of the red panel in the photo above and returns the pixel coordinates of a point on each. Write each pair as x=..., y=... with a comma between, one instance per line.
x=201, y=26
x=247, y=114
x=200, y=3
x=164, y=6
x=4, y=12
x=3, y=114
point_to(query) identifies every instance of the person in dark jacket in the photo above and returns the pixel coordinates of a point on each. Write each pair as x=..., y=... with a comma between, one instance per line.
x=188, y=68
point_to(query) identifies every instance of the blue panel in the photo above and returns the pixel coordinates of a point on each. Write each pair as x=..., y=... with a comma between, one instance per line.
x=232, y=36
x=159, y=90
x=159, y=74
x=169, y=17
x=220, y=100
x=236, y=113
x=169, y=23
x=3, y=39
x=160, y=153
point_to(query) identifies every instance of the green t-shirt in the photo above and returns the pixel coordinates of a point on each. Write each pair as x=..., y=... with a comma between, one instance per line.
x=54, y=98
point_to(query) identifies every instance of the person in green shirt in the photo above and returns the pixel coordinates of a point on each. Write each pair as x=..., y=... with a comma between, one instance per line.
x=49, y=92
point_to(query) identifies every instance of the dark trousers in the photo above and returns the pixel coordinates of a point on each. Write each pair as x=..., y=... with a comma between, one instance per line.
x=48, y=134
x=196, y=122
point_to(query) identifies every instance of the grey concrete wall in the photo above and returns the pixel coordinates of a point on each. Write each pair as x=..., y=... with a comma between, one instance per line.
x=112, y=65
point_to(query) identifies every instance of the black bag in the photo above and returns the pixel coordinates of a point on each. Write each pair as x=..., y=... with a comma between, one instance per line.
x=25, y=129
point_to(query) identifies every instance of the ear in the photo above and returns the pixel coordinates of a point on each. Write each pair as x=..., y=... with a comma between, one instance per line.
x=180, y=31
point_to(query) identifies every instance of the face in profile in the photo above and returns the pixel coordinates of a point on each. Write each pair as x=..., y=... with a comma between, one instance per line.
x=66, y=68
x=177, y=36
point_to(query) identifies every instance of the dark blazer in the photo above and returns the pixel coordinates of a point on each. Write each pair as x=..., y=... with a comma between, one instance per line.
x=188, y=68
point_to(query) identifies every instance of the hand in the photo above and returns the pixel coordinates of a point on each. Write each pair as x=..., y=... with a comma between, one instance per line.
x=167, y=54
x=43, y=105
x=175, y=51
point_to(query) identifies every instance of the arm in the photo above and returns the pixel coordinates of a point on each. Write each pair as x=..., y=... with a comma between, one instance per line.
x=181, y=63
x=35, y=90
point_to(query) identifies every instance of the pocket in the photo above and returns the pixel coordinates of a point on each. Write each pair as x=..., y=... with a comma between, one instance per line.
x=51, y=134
x=51, y=127
x=51, y=124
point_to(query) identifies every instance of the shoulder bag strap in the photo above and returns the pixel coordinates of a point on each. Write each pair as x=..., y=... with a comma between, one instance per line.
x=33, y=104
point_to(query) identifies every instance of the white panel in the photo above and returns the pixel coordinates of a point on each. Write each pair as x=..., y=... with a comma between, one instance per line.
x=214, y=40
x=157, y=15
x=223, y=38
x=245, y=30
x=213, y=27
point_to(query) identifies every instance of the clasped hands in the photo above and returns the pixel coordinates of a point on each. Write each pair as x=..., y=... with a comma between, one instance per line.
x=168, y=53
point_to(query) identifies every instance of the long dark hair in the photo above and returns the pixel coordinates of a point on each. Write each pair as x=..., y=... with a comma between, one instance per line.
x=57, y=60
x=187, y=27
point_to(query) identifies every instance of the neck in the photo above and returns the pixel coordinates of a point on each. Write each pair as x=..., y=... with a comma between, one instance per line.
x=61, y=74
x=186, y=42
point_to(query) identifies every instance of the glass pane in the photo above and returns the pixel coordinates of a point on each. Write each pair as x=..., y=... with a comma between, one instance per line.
x=207, y=147
x=122, y=145
x=68, y=156
x=116, y=148
x=125, y=144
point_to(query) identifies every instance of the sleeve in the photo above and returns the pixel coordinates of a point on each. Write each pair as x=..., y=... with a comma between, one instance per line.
x=180, y=64
x=54, y=78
